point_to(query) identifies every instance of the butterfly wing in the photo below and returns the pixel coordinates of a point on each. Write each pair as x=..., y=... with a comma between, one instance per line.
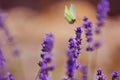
x=73, y=11
x=68, y=16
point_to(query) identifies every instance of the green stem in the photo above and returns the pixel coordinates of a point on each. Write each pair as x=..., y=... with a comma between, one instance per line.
x=89, y=66
x=37, y=75
x=92, y=64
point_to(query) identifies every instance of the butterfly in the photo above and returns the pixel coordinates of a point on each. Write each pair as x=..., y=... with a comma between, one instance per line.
x=70, y=14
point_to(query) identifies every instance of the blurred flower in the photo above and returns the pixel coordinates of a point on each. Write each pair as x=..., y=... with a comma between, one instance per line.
x=102, y=10
x=46, y=63
x=115, y=75
x=100, y=75
x=9, y=76
x=2, y=19
x=98, y=44
x=1, y=76
x=84, y=71
x=2, y=58
x=10, y=38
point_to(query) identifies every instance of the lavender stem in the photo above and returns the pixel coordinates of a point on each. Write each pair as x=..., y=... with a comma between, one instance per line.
x=89, y=66
x=37, y=75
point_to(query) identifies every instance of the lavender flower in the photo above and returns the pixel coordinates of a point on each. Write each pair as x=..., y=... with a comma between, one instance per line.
x=73, y=53
x=97, y=44
x=78, y=32
x=10, y=38
x=2, y=59
x=102, y=10
x=2, y=19
x=100, y=75
x=9, y=76
x=88, y=32
x=84, y=71
x=71, y=62
x=115, y=75
x=11, y=41
x=1, y=76
x=46, y=63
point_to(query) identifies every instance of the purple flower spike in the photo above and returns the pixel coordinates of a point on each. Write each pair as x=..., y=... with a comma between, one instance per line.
x=115, y=75
x=84, y=71
x=2, y=19
x=88, y=33
x=65, y=79
x=78, y=38
x=102, y=10
x=98, y=44
x=47, y=44
x=10, y=39
x=9, y=76
x=88, y=30
x=74, y=48
x=100, y=75
x=2, y=59
x=71, y=68
x=71, y=62
x=1, y=76
x=73, y=53
x=85, y=18
x=78, y=32
x=46, y=64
